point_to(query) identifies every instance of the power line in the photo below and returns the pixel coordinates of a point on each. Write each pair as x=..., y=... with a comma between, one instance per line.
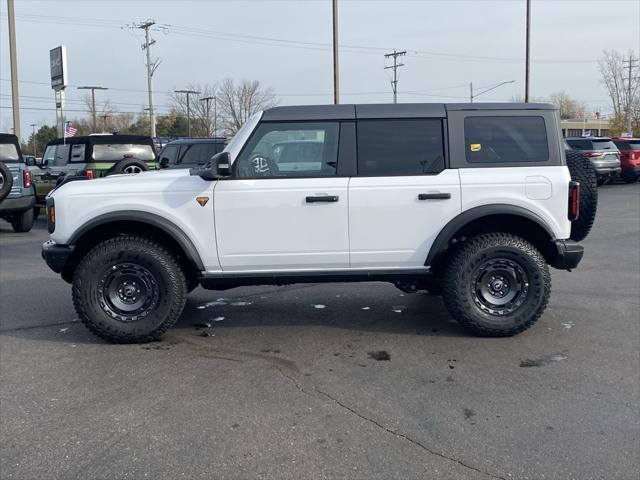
x=289, y=43
x=395, y=66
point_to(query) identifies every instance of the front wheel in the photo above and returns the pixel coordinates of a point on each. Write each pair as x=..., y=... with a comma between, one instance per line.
x=496, y=285
x=129, y=289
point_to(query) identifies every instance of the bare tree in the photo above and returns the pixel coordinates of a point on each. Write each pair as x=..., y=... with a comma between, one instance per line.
x=568, y=107
x=238, y=102
x=615, y=77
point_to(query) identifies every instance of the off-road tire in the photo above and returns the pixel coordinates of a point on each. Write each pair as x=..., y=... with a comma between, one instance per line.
x=458, y=284
x=170, y=289
x=23, y=222
x=126, y=164
x=629, y=176
x=6, y=181
x=583, y=171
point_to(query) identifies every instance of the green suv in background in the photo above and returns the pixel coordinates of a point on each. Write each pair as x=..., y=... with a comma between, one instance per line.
x=94, y=156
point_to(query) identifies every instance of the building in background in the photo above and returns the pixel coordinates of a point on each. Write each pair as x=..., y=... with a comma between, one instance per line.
x=585, y=127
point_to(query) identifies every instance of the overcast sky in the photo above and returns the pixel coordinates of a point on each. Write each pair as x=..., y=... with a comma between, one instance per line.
x=286, y=45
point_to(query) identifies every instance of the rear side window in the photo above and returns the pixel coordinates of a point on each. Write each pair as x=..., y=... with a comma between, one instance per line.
x=400, y=147
x=77, y=152
x=117, y=151
x=9, y=152
x=505, y=139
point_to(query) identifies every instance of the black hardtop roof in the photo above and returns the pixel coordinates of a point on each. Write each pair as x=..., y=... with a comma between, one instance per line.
x=8, y=138
x=387, y=110
x=104, y=139
x=189, y=141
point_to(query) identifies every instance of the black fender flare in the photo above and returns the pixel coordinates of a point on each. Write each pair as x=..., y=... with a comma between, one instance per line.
x=171, y=229
x=441, y=243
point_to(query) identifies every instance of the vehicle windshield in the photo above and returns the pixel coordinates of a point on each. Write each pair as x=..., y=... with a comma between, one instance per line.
x=604, y=144
x=9, y=153
x=118, y=151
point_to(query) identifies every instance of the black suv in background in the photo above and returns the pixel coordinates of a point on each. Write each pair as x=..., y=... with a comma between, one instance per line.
x=190, y=152
x=602, y=152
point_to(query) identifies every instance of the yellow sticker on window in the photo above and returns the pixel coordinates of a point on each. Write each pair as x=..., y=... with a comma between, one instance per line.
x=476, y=147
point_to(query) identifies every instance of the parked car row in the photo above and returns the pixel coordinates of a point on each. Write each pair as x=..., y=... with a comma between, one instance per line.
x=25, y=181
x=612, y=158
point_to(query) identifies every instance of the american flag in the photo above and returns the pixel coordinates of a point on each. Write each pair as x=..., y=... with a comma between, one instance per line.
x=69, y=131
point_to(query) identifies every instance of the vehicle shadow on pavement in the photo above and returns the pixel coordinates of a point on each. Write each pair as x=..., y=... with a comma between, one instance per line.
x=381, y=309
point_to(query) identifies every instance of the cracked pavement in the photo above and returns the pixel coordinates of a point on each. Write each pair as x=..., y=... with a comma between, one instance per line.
x=281, y=389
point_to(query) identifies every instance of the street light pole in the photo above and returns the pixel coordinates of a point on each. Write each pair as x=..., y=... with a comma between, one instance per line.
x=188, y=92
x=94, y=123
x=207, y=101
x=474, y=95
x=33, y=139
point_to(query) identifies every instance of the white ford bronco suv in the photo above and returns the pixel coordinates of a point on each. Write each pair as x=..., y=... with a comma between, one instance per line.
x=471, y=201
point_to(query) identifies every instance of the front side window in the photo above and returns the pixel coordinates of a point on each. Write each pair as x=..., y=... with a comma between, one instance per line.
x=288, y=149
x=170, y=153
x=117, y=151
x=505, y=139
x=400, y=147
x=56, y=155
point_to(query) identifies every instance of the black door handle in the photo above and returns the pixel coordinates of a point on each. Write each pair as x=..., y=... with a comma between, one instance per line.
x=323, y=198
x=434, y=196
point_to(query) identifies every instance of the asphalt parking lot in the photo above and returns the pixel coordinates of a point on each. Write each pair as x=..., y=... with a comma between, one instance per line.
x=328, y=381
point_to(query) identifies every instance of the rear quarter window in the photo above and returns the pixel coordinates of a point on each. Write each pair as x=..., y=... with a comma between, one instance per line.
x=506, y=139
x=9, y=152
x=117, y=151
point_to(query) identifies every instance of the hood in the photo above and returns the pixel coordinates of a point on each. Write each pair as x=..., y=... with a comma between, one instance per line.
x=153, y=181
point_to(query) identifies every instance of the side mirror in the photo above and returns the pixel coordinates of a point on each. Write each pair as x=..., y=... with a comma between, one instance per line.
x=219, y=166
x=164, y=162
x=30, y=162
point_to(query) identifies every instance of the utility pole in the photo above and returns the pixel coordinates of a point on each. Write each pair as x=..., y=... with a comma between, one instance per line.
x=33, y=138
x=631, y=65
x=207, y=101
x=151, y=68
x=395, y=66
x=473, y=95
x=527, y=55
x=94, y=124
x=336, y=77
x=188, y=92
x=15, y=106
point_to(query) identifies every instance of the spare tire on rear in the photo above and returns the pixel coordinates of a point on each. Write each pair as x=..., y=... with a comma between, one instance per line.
x=129, y=165
x=6, y=181
x=583, y=171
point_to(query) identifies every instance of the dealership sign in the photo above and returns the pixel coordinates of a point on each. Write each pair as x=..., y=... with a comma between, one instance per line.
x=58, y=63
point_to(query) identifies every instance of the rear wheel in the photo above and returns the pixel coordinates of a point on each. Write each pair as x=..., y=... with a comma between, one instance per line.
x=496, y=285
x=129, y=289
x=23, y=222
